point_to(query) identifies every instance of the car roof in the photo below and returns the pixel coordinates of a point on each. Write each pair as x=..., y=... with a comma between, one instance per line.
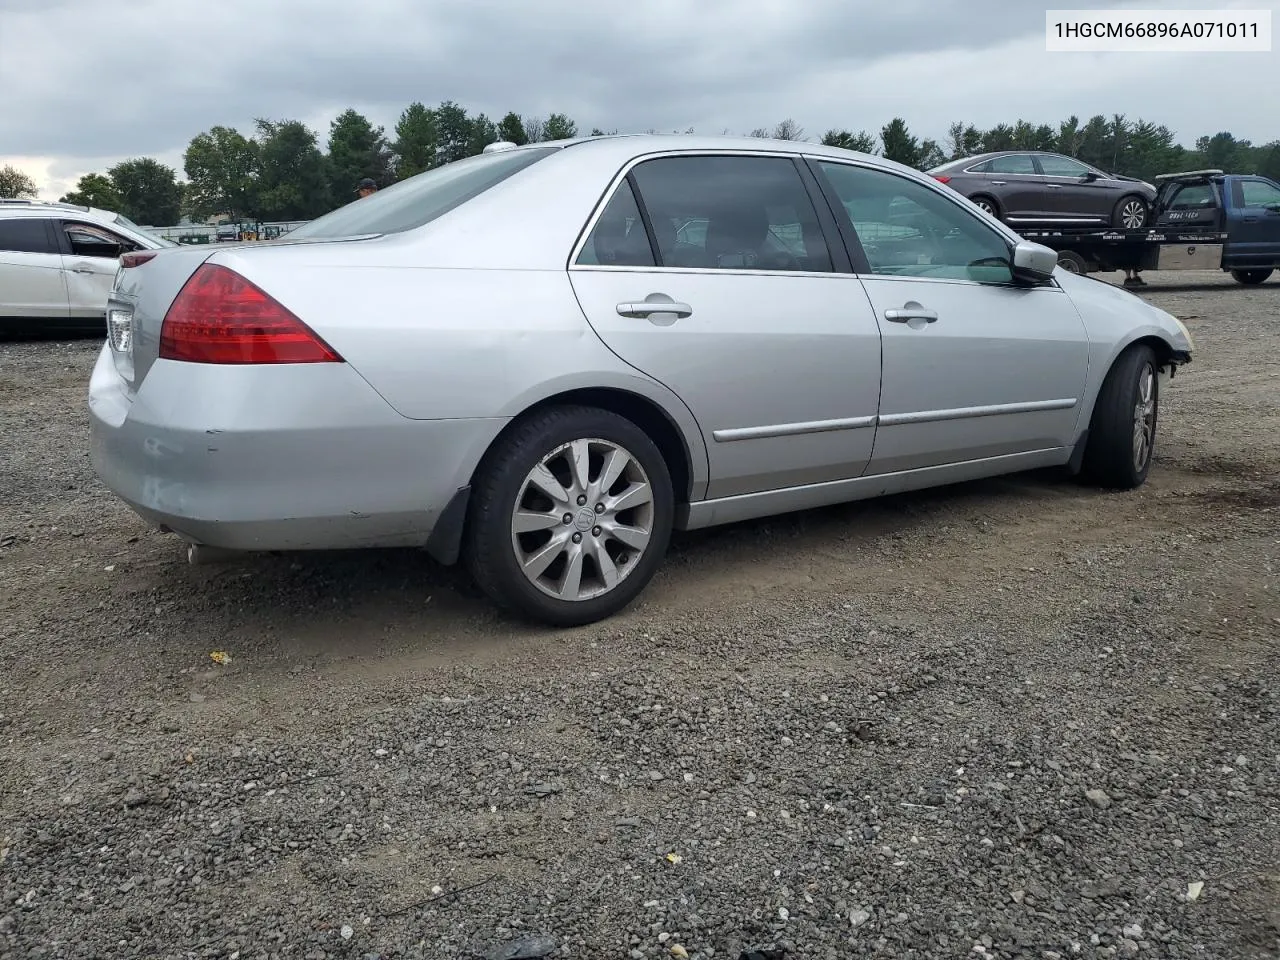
x=52, y=208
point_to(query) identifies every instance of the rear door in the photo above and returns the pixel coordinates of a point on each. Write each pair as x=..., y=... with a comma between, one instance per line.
x=1018, y=188
x=713, y=274
x=31, y=280
x=1255, y=223
x=91, y=256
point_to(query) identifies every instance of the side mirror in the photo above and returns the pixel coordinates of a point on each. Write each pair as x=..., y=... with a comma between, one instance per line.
x=1033, y=262
x=1089, y=177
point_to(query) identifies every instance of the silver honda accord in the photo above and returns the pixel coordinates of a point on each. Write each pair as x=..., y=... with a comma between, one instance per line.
x=543, y=359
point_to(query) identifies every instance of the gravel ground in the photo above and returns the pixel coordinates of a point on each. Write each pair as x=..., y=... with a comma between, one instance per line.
x=1015, y=718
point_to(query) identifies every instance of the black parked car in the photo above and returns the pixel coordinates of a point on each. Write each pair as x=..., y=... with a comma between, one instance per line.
x=1027, y=187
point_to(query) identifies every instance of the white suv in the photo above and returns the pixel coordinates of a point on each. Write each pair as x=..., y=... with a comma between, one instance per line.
x=57, y=264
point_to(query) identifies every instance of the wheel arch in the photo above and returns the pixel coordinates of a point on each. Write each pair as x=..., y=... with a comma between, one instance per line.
x=1165, y=355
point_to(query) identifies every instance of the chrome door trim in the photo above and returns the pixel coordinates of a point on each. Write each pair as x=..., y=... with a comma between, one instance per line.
x=966, y=413
x=792, y=429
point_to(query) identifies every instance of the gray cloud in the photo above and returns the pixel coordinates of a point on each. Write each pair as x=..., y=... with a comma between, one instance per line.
x=141, y=78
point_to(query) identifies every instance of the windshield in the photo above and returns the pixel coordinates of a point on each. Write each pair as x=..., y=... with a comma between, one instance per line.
x=421, y=199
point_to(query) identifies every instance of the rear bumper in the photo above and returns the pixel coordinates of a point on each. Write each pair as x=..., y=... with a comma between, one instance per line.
x=286, y=457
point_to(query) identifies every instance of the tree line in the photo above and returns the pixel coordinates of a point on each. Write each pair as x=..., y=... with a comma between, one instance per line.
x=281, y=171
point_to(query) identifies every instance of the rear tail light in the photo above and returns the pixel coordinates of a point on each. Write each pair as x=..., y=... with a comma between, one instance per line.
x=220, y=317
x=943, y=179
x=137, y=258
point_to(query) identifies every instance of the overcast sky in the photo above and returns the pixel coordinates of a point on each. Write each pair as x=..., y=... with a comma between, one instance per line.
x=100, y=82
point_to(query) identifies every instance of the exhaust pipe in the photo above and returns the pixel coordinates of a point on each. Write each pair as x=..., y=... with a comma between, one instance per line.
x=199, y=555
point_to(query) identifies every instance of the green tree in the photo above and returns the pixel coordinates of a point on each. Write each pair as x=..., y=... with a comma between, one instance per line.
x=293, y=177
x=862, y=142
x=357, y=149
x=999, y=137
x=963, y=140
x=483, y=132
x=222, y=174
x=16, y=185
x=899, y=144
x=559, y=127
x=95, y=190
x=1069, y=136
x=148, y=191
x=511, y=130
x=453, y=133
x=415, y=145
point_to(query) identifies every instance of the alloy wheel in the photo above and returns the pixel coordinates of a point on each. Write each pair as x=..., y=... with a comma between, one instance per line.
x=1144, y=417
x=1133, y=215
x=582, y=520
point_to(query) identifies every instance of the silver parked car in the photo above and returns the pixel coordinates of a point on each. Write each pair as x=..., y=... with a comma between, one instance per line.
x=543, y=359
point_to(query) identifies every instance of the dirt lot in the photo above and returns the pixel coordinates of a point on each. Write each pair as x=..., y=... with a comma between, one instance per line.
x=1015, y=718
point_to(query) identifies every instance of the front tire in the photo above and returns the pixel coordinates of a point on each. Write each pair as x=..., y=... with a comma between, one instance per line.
x=1131, y=213
x=570, y=516
x=1122, y=433
x=1072, y=262
x=1251, y=277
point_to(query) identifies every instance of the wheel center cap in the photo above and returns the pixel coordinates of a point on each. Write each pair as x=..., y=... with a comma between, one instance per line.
x=585, y=520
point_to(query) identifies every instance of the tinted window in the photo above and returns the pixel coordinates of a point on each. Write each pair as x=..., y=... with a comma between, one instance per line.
x=1257, y=193
x=1193, y=197
x=24, y=236
x=1062, y=167
x=983, y=167
x=732, y=213
x=908, y=229
x=618, y=238
x=421, y=199
x=1014, y=163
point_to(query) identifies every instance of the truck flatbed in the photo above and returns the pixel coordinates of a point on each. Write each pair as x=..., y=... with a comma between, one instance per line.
x=1202, y=220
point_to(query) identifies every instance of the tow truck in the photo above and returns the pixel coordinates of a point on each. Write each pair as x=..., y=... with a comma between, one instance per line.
x=1201, y=220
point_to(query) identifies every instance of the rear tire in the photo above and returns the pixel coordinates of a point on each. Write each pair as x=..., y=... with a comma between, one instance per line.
x=565, y=546
x=1122, y=432
x=1131, y=213
x=986, y=204
x=1251, y=277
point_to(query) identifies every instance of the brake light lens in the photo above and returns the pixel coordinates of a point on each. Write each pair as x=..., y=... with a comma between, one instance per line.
x=137, y=258
x=943, y=179
x=220, y=317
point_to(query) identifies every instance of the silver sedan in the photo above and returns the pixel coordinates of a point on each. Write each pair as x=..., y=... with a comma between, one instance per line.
x=544, y=359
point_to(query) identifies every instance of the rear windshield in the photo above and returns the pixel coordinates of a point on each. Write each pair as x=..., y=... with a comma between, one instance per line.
x=421, y=199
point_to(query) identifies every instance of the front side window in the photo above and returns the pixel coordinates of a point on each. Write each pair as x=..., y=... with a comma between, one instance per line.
x=24, y=236
x=731, y=213
x=909, y=230
x=91, y=241
x=1013, y=163
x=418, y=200
x=1055, y=166
x=1259, y=193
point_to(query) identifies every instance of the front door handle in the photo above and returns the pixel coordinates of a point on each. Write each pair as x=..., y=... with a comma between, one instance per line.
x=1250, y=219
x=1053, y=186
x=82, y=268
x=657, y=307
x=911, y=312
x=997, y=183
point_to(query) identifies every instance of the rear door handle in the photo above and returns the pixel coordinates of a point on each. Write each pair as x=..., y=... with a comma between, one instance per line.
x=911, y=313
x=997, y=183
x=643, y=309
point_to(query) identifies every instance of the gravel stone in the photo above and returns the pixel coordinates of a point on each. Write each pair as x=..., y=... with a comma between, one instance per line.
x=878, y=726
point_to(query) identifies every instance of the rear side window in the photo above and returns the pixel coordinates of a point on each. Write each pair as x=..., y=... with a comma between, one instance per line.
x=732, y=213
x=618, y=239
x=24, y=236
x=421, y=199
x=1014, y=163
x=1196, y=196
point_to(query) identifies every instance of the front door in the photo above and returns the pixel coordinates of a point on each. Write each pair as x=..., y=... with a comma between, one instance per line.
x=974, y=366
x=730, y=297
x=89, y=265
x=1255, y=226
x=1072, y=195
